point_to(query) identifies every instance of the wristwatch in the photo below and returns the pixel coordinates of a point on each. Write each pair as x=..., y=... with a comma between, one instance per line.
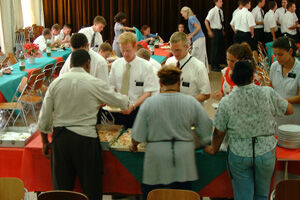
x=133, y=105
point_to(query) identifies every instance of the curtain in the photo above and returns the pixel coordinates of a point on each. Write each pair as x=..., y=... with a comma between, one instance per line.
x=162, y=16
x=37, y=14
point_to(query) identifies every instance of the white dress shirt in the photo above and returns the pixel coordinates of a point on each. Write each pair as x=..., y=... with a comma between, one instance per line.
x=155, y=64
x=41, y=41
x=288, y=20
x=243, y=20
x=73, y=100
x=88, y=32
x=258, y=17
x=233, y=14
x=142, y=78
x=270, y=21
x=279, y=14
x=98, y=66
x=213, y=17
x=61, y=36
x=194, y=77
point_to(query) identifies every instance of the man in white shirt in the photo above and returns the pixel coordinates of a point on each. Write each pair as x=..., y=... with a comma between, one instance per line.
x=93, y=33
x=99, y=67
x=258, y=14
x=279, y=13
x=240, y=6
x=70, y=107
x=270, y=25
x=132, y=76
x=214, y=23
x=64, y=35
x=290, y=22
x=42, y=39
x=243, y=25
x=194, y=77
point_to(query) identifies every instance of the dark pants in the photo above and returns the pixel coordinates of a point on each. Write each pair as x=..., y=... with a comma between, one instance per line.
x=176, y=185
x=268, y=37
x=241, y=36
x=216, y=48
x=259, y=35
x=72, y=155
x=278, y=33
x=125, y=120
x=294, y=37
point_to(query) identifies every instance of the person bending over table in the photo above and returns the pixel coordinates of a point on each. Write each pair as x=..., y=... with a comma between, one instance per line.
x=119, y=28
x=147, y=36
x=65, y=34
x=196, y=35
x=247, y=115
x=194, y=77
x=99, y=68
x=164, y=121
x=285, y=77
x=105, y=52
x=70, y=106
x=42, y=40
x=132, y=76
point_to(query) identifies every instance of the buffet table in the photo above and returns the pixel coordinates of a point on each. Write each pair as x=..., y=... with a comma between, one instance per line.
x=122, y=170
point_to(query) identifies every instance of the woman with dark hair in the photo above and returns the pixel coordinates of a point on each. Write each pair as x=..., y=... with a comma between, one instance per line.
x=247, y=115
x=285, y=76
x=164, y=121
x=120, y=20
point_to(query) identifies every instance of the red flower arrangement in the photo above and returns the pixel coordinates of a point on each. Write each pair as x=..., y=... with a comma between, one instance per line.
x=32, y=50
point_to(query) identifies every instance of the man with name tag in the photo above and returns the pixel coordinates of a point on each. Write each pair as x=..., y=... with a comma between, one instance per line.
x=214, y=23
x=194, y=77
x=93, y=33
x=132, y=76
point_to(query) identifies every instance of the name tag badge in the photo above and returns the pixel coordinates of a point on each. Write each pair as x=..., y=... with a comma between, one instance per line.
x=140, y=84
x=291, y=75
x=185, y=84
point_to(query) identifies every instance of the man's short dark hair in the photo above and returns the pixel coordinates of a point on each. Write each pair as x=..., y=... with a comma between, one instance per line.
x=79, y=58
x=290, y=4
x=78, y=40
x=242, y=73
x=46, y=31
x=245, y=2
x=105, y=46
x=272, y=4
x=69, y=26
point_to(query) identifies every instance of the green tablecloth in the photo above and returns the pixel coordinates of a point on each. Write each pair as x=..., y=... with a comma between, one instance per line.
x=64, y=54
x=159, y=59
x=209, y=167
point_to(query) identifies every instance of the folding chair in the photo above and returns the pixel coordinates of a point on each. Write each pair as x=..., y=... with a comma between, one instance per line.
x=57, y=69
x=12, y=188
x=171, y=194
x=34, y=96
x=48, y=70
x=15, y=105
x=20, y=40
x=62, y=195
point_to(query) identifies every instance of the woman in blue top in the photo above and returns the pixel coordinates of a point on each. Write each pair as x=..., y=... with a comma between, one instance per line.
x=147, y=36
x=196, y=35
x=119, y=28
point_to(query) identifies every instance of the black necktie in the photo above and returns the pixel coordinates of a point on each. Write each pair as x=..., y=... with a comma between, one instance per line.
x=93, y=40
x=221, y=19
x=262, y=13
x=284, y=11
x=178, y=64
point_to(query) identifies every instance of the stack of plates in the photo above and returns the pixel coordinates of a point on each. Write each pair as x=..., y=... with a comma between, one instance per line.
x=289, y=136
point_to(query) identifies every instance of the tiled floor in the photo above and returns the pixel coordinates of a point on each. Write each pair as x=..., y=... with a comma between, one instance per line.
x=215, y=81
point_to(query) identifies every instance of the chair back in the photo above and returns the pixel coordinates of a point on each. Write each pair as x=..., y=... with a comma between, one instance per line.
x=37, y=30
x=32, y=78
x=38, y=82
x=171, y=194
x=62, y=195
x=288, y=189
x=12, y=59
x=57, y=68
x=20, y=40
x=11, y=189
x=48, y=69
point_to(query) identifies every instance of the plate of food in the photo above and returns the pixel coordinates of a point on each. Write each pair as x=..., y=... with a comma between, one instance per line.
x=124, y=141
x=111, y=109
x=112, y=58
x=165, y=47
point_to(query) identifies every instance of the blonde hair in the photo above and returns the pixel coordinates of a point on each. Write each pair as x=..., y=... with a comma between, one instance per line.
x=188, y=11
x=100, y=20
x=177, y=37
x=127, y=37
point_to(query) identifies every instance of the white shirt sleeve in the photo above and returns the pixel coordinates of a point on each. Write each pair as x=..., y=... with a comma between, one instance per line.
x=112, y=75
x=251, y=20
x=41, y=42
x=66, y=66
x=101, y=70
x=150, y=80
x=210, y=15
x=203, y=83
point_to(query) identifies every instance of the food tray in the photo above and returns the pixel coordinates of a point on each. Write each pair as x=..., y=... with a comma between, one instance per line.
x=108, y=133
x=123, y=142
x=16, y=137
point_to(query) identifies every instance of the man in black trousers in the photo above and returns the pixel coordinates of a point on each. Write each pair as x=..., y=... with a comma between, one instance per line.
x=71, y=105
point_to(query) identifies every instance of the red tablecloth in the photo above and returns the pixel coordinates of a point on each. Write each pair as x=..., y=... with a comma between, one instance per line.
x=58, y=59
x=162, y=52
x=2, y=99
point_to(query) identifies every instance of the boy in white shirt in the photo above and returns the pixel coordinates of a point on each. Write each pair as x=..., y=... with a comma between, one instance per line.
x=42, y=39
x=289, y=22
x=270, y=25
x=258, y=14
x=65, y=34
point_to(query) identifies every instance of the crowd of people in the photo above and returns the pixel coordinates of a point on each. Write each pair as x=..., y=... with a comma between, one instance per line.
x=162, y=103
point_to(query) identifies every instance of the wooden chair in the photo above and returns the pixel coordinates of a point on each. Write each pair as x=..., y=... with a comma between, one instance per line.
x=288, y=190
x=57, y=69
x=12, y=189
x=37, y=30
x=171, y=194
x=62, y=195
